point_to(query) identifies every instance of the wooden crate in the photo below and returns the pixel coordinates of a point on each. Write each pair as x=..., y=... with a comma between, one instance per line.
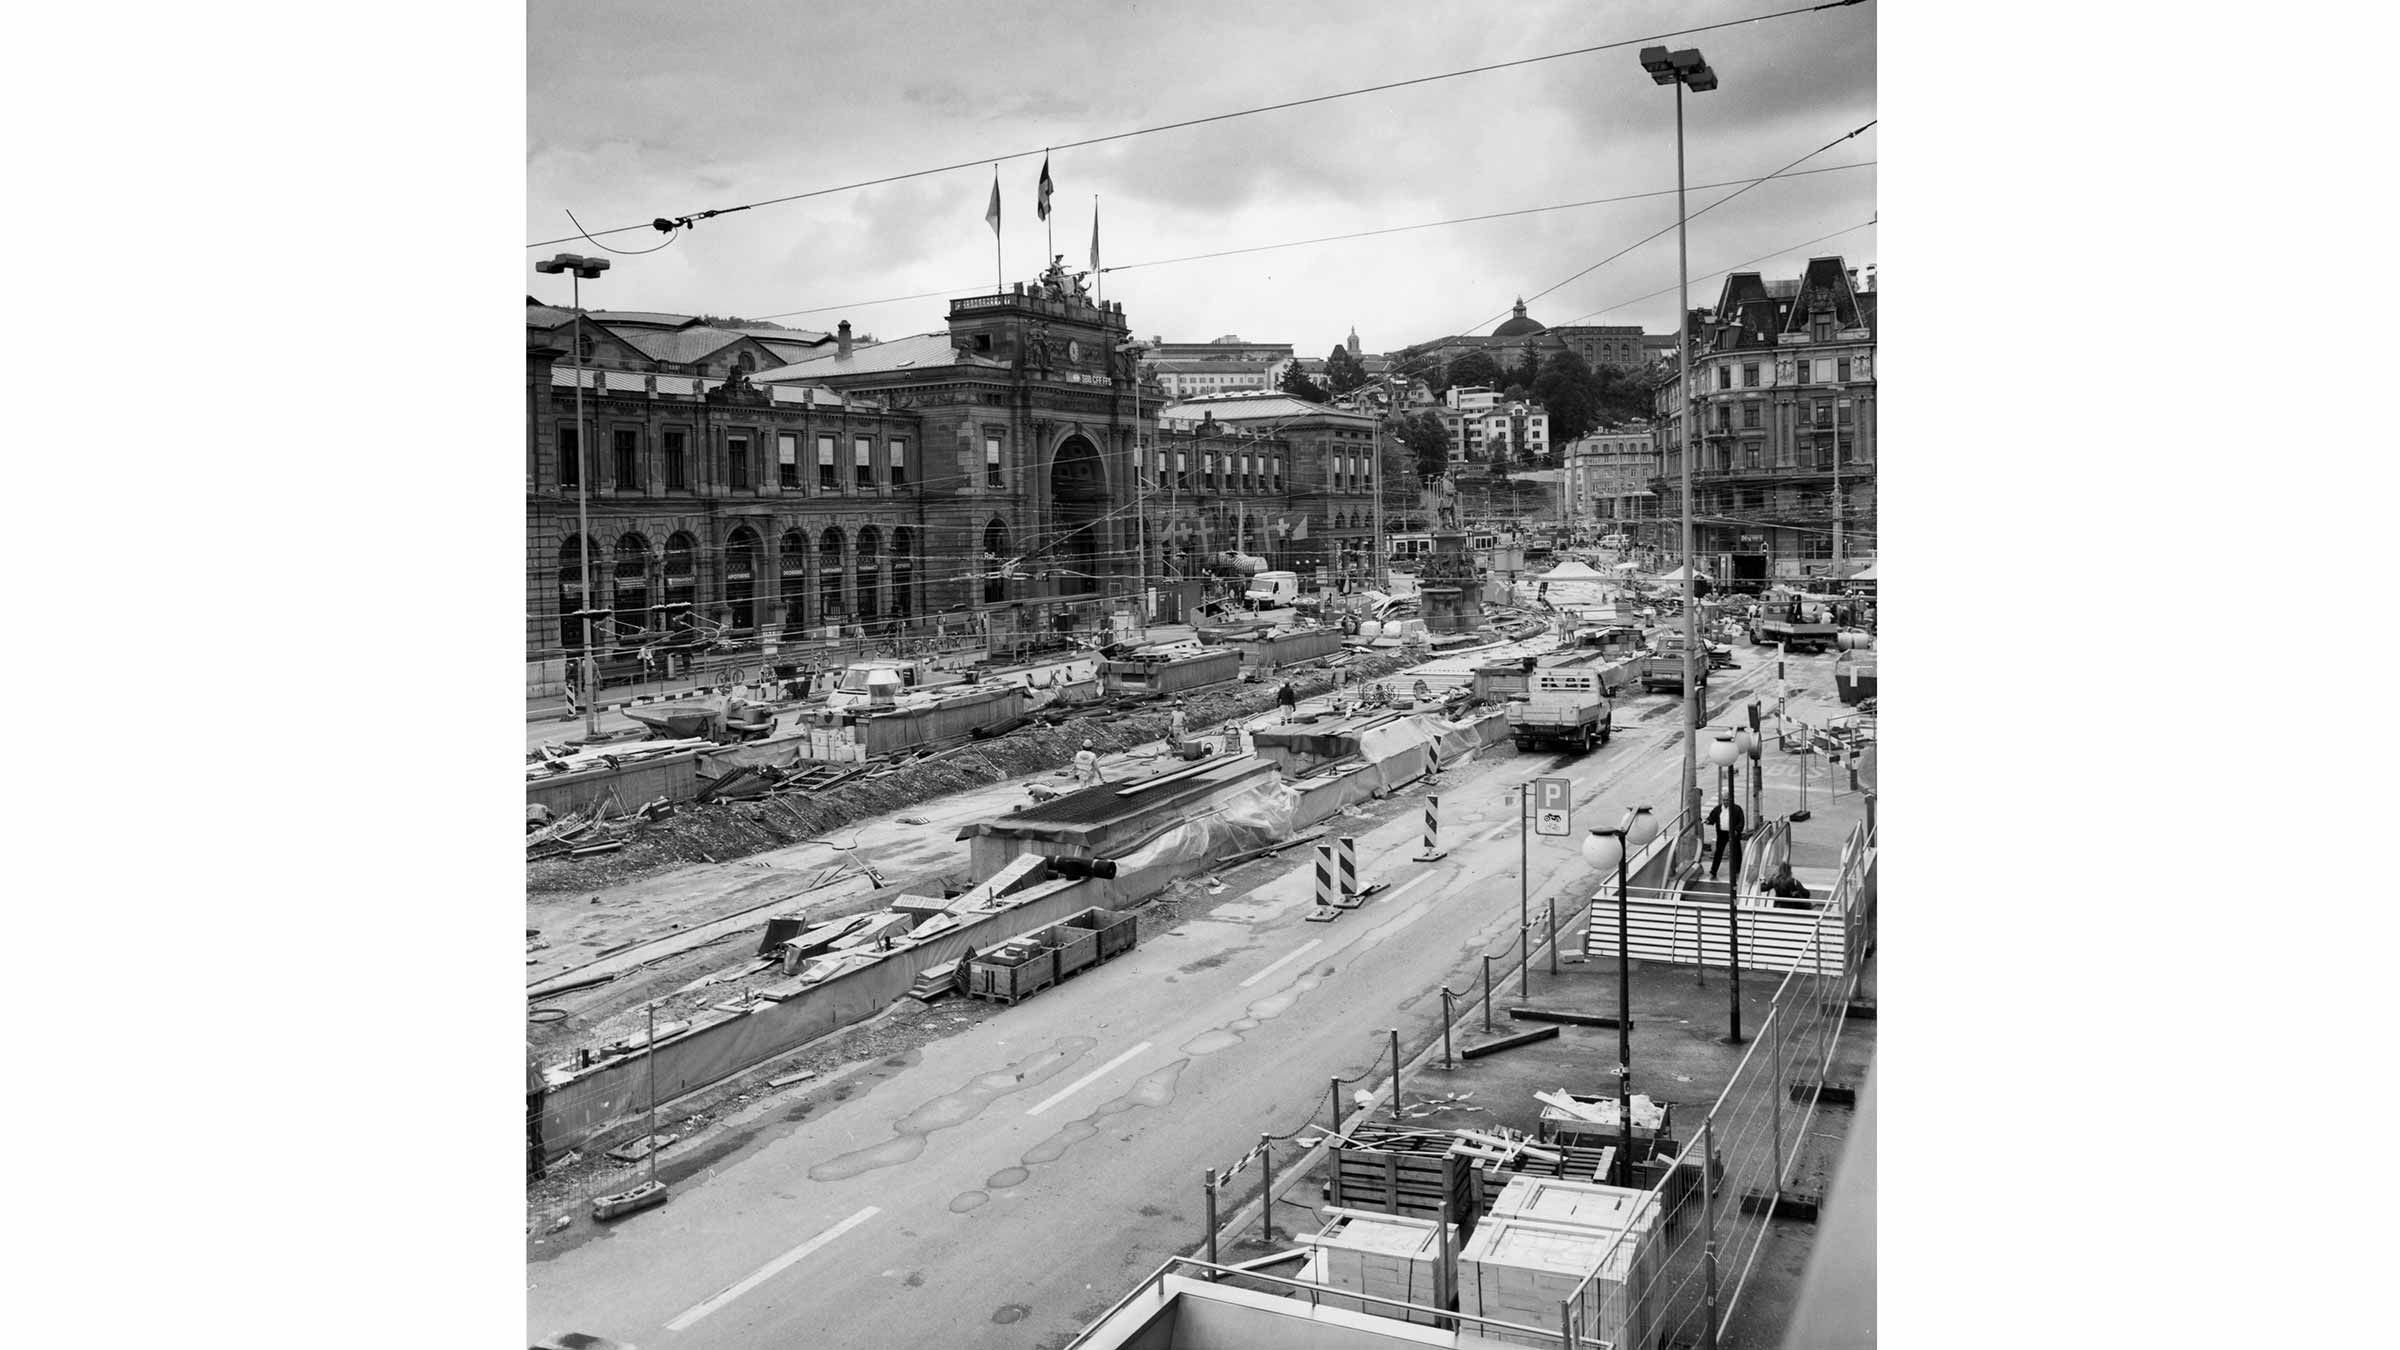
x=1561, y=1127
x=1520, y=1270
x=1601, y=1208
x=1378, y=1167
x=1388, y=1255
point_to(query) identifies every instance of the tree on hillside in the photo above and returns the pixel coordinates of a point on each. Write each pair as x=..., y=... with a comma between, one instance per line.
x=1527, y=369
x=1474, y=368
x=1568, y=390
x=1427, y=440
x=1298, y=385
x=1343, y=372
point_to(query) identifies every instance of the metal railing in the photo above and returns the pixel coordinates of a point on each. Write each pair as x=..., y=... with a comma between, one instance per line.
x=1316, y=1294
x=1749, y=1142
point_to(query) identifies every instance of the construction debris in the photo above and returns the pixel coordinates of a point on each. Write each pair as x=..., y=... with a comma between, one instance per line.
x=1493, y=1047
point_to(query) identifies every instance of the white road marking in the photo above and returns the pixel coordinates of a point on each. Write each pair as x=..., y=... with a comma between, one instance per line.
x=1406, y=886
x=1281, y=961
x=1403, y=921
x=770, y=1270
x=1081, y=1083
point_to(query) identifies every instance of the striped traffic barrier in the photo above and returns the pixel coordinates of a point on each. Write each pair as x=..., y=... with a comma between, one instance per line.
x=1433, y=832
x=1324, y=910
x=1347, y=857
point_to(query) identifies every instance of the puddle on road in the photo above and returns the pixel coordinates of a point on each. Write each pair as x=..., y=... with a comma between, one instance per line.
x=966, y=1200
x=1006, y=1177
x=953, y=1108
x=1264, y=1010
x=1155, y=1088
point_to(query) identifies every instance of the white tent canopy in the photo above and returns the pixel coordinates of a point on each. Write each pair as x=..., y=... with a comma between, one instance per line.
x=1572, y=570
x=1676, y=575
x=1866, y=573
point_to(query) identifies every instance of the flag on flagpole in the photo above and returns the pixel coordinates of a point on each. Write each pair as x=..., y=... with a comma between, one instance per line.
x=1095, y=239
x=1041, y=203
x=991, y=217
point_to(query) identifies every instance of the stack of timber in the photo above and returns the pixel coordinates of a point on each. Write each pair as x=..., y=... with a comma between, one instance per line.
x=950, y=977
x=1520, y=1270
x=1031, y=962
x=1387, y=1255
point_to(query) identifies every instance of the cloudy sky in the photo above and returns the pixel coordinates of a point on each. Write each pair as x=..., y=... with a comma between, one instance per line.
x=637, y=110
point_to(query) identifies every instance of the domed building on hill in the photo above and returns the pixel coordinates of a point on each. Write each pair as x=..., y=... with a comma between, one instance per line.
x=1520, y=325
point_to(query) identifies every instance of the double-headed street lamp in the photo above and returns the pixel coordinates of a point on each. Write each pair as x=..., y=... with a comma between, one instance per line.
x=1685, y=69
x=579, y=268
x=1604, y=849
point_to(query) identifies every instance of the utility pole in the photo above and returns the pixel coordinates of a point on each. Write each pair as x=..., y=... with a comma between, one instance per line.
x=1383, y=579
x=1681, y=69
x=578, y=268
x=1837, y=483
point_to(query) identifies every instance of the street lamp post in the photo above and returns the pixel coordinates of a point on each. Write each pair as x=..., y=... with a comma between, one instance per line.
x=579, y=268
x=1604, y=848
x=1721, y=752
x=1682, y=69
x=1141, y=509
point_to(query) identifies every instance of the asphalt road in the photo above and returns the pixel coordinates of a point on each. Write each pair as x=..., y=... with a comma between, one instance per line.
x=1021, y=1175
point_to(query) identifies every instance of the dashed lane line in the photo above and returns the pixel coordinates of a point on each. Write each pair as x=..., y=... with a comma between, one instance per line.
x=770, y=1270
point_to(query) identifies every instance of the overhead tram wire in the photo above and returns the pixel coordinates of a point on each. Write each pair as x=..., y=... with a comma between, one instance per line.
x=982, y=160
x=1334, y=238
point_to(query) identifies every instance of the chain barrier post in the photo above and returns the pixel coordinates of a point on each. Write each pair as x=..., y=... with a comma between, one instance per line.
x=1448, y=999
x=1524, y=960
x=1211, y=1185
x=1334, y=1096
x=1487, y=993
x=1395, y=1073
x=1554, y=937
x=1266, y=1201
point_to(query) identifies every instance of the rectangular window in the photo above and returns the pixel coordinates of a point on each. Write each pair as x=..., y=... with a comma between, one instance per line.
x=1841, y=369
x=1183, y=470
x=825, y=463
x=1750, y=455
x=570, y=459
x=787, y=460
x=627, y=444
x=737, y=463
x=1750, y=375
x=991, y=461
x=1841, y=412
x=1821, y=413
x=862, y=462
x=899, y=451
x=678, y=475
x=1725, y=377
x=1750, y=416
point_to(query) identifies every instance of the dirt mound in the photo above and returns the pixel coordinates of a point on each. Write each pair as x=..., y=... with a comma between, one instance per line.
x=715, y=832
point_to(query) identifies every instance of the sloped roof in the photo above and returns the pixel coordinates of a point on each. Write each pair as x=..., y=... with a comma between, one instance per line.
x=1258, y=408
x=1827, y=275
x=922, y=351
x=678, y=345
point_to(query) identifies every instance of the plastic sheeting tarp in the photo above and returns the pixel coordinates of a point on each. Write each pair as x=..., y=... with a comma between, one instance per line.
x=711, y=1052
x=1251, y=816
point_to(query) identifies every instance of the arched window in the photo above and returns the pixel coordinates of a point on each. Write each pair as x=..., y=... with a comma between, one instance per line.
x=791, y=581
x=995, y=558
x=745, y=362
x=682, y=581
x=741, y=577
x=904, y=572
x=630, y=604
x=870, y=573
x=830, y=609
x=570, y=593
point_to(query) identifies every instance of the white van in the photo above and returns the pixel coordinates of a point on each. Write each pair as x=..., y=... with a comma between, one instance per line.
x=1273, y=590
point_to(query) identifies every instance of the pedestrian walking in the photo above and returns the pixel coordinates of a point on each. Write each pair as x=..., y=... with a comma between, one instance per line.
x=1289, y=698
x=1727, y=816
x=1175, y=725
x=1087, y=766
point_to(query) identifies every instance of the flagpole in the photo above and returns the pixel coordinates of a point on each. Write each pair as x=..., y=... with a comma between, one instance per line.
x=1098, y=298
x=999, y=269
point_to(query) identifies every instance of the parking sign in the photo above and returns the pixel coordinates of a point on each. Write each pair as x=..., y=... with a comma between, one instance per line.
x=1553, y=805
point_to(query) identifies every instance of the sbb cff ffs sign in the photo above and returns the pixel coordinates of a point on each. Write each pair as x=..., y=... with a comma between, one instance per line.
x=1553, y=805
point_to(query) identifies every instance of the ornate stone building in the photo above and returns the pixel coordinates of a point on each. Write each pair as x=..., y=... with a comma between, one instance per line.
x=1784, y=402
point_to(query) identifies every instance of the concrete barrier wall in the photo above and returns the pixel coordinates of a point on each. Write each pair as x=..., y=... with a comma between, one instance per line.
x=614, y=1093
x=668, y=776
